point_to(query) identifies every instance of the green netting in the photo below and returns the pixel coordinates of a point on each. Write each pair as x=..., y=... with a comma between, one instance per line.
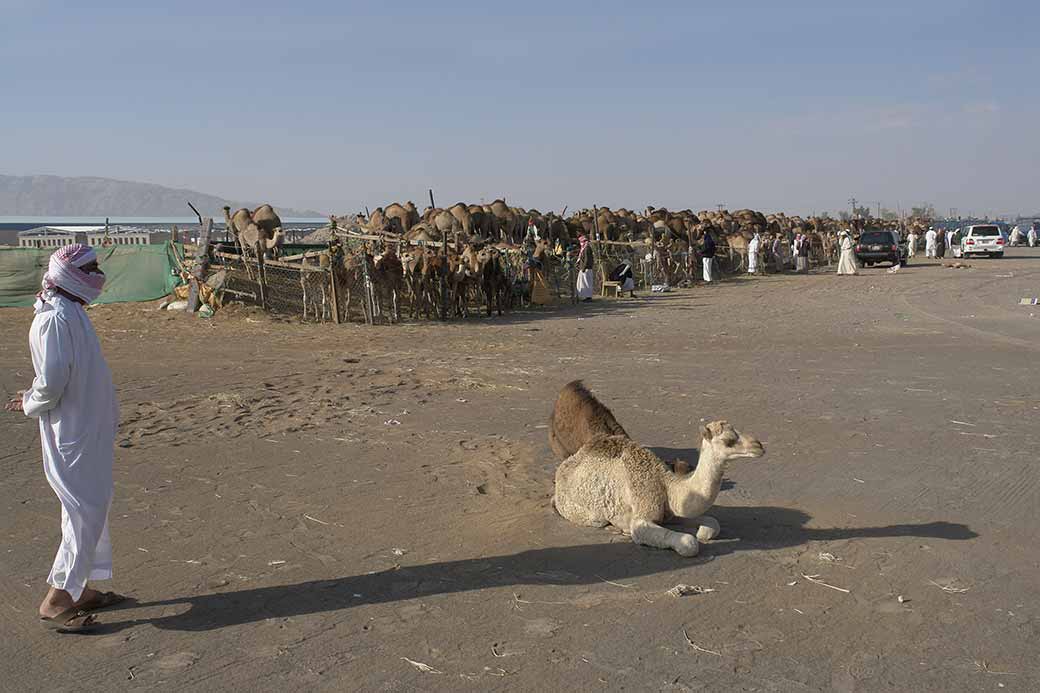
x=134, y=273
x=21, y=271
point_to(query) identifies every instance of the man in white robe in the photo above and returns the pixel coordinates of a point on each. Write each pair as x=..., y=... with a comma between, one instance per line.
x=708, y=257
x=753, y=246
x=929, y=243
x=584, y=263
x=847, y=259
x=911, y=244
x=1031, y=235
x=73, y=397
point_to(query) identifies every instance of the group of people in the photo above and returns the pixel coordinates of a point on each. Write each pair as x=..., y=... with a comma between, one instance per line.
x=936, y=242
x=781, y=251
x=785, y=252
x=1030, y=236
x=797, y=252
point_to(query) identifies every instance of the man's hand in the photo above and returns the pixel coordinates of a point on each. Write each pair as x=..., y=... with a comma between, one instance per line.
x=16, y=403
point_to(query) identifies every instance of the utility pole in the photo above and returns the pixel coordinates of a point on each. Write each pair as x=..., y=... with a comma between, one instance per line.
x=853, y=201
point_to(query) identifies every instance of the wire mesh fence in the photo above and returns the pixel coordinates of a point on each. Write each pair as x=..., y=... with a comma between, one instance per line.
x=383, y=280
x=301, y=289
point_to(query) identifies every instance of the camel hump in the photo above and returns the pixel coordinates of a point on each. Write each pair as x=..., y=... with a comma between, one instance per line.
x=577, y=418
x=577, y=386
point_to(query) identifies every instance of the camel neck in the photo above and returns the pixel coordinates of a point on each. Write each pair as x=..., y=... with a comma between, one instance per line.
x=694, y=493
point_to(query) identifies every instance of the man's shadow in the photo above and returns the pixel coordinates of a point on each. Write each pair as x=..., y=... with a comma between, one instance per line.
x=758, y=528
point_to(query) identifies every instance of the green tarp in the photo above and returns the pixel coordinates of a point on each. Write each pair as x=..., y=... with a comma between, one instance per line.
x=133, y=273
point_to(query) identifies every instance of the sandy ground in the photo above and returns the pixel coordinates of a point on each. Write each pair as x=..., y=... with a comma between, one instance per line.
x=310, y=507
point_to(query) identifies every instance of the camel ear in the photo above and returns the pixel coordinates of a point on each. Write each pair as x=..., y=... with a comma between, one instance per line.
x=705, y=433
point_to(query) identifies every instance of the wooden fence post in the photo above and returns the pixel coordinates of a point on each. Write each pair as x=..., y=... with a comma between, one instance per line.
x=261, y=274
x=367, y=299
x=201, y=263
x=444, y=268
x=333, y=279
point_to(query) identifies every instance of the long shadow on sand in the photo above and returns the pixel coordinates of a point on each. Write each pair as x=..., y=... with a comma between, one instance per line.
x=758, y=528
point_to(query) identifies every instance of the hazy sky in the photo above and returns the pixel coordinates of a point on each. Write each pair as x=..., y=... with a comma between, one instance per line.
x=333, y=105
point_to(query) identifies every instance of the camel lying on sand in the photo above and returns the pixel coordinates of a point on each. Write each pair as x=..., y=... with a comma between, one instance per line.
x=612, y=480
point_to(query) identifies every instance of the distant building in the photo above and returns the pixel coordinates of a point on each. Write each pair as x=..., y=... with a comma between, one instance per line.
x=97, y=236
x=55, y=236
x=100, y=239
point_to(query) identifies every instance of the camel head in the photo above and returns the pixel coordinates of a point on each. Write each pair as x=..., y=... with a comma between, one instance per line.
x=276, y=240
x=727, y=443
x=411, y=261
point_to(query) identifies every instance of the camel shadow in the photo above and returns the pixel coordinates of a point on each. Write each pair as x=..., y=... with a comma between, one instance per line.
x=757, y=528
x=770, y=528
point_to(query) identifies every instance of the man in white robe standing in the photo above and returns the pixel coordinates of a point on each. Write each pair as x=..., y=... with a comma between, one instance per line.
x=847, y=259
x=584, y=264
x=1031, y=235
x=707, y=257
x=929, y=243
x=911, y=244
x=73, y=397
x=753, y=246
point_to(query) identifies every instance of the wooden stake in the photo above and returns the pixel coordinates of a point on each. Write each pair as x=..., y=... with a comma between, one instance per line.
x=366, y=298
x=333, y=275
x=201, y=262
x=261, y=274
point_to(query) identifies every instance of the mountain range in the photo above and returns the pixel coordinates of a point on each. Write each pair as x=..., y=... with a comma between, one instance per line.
x=105, y=197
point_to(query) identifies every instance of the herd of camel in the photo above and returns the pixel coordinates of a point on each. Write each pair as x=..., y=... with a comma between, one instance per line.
x=468, y=244
x=500, y=223
x=679, y=231
x=607, y=479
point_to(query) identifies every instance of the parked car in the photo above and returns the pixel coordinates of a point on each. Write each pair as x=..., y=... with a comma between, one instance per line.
x=880, y=246
x=982, y=239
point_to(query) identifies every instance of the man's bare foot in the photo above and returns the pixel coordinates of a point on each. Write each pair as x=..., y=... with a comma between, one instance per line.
x=55, y=602
x=58, y=601
x=89, y=593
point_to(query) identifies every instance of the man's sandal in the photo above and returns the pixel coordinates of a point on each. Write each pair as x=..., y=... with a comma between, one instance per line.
x=72, y=620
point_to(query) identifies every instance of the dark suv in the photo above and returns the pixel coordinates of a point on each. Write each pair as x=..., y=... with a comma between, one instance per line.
x=880, y=246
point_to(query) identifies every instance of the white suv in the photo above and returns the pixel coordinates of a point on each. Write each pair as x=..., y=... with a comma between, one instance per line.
x=982, y=239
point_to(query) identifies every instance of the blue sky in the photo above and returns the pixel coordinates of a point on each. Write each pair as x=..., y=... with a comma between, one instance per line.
x=790, y=106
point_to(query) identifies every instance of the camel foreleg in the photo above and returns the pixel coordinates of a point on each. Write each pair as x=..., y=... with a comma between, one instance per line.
x=709, y=528
x=652, y=534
